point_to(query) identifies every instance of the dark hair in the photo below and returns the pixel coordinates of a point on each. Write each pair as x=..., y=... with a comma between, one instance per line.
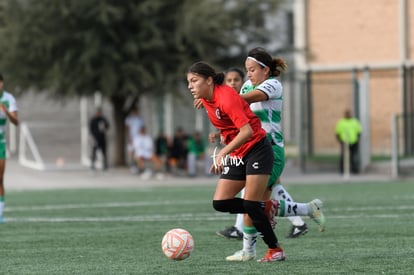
x=1, y=77
x=274, y=64
x=205, y=70
x=236, y=70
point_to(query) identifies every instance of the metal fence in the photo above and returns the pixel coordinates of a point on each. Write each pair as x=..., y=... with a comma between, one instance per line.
x=374, y=95
x=403, y=144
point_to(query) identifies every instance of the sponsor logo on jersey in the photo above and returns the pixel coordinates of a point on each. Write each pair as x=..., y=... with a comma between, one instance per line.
x=218, y=115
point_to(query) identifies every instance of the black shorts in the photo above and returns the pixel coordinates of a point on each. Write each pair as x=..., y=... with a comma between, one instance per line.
x=258, y=161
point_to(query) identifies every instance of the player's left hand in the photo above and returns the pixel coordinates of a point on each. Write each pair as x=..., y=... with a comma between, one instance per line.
x=218, y=164
x=216, y=169
x=198, y=104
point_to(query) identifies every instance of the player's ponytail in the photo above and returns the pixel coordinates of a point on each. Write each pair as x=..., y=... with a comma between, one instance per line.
x=278, y=65
x=218, y=78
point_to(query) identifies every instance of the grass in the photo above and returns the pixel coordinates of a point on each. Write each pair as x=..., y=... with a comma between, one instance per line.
x=370, y=230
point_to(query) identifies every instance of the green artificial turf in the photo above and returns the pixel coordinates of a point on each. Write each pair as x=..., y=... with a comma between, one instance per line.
x=370, y=230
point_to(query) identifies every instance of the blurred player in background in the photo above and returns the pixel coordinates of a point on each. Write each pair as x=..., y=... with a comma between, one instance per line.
x=234, y=77
x=8, y=110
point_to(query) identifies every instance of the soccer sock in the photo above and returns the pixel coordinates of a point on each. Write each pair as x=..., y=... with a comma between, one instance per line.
x=286, y=209
x=249, y=239
x=240, y=217
x=255, y=210
x=280, y=193
x=239, y=222
x=1, y=205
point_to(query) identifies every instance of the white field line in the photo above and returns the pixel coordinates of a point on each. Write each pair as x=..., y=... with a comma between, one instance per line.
x=53, y=207
x=371, y=208
x=181, y=217
x=98, y=205
x=357, y=212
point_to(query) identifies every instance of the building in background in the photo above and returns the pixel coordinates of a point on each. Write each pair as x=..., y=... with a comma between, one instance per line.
x=359, y=55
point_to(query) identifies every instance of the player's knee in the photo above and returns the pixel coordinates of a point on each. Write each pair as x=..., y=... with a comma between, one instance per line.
x=221, y=205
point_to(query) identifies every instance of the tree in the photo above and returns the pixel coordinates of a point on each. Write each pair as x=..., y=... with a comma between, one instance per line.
x=121, y=48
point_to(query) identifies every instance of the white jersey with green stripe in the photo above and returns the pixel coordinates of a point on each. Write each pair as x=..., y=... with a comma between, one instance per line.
x=8, y=100
x=269, y=111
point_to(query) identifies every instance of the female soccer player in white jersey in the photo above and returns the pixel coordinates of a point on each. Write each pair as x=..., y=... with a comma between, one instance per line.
x=264, y=93
x=8, y=110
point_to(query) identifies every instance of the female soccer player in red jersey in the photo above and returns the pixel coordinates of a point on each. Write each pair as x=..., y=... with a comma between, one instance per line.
x=246, y=160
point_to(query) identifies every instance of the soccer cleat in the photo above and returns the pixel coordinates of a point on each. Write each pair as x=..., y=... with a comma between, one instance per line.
x=297, y=231
x=270, y=210
x=273, y=255
x=231, y=233
x=241, y=256
x=315, y=209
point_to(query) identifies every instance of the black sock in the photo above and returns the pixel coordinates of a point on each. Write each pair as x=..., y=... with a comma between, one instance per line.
x=255, y=210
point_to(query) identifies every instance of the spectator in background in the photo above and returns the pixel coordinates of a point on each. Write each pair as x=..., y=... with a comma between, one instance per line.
x=144, y=152
x=98, y=126
x=348, y=132
x=133, y=124
x=162, y=146
x=196, y=154
x=178, y=151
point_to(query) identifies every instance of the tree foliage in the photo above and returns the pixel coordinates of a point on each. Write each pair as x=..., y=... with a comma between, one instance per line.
x=122, y=48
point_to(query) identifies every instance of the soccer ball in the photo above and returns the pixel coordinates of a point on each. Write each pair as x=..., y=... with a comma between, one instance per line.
x=177, y=244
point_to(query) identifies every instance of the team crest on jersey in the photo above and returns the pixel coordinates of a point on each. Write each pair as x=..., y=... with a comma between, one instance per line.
x=218, y=115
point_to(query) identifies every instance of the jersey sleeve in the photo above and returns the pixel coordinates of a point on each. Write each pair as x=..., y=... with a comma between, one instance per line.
x=246, y=87
x=12, y=104
x=271, y=87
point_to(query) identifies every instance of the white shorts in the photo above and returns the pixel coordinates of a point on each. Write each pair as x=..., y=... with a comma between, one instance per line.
x=144, y=155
